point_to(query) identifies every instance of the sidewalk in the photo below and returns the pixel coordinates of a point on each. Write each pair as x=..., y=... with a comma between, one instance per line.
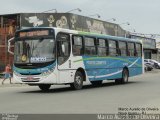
x=7, y=83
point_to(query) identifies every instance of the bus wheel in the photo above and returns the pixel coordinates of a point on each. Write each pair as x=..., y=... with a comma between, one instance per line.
x=96, y=83
x=45, y=87
x=125, y=76
x=78, y=81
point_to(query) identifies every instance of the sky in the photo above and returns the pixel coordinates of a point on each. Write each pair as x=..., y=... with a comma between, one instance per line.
x=143, y=15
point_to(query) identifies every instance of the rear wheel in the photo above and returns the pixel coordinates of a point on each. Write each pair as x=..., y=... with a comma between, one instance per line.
x=125, y=76
x=78, y=81
x=45, y=87
x=96, y=83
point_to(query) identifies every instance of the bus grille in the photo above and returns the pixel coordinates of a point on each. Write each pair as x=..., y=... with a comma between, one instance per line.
x=30, y=73
x=30, y=79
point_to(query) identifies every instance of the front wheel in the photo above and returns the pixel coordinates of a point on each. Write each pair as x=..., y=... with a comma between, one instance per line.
x=78, y=81
x=45, y=87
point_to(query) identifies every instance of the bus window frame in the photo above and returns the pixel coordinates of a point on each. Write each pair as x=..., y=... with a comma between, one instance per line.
x=57, y=43
x=128, y=52
x=106, y=46
x=117, y=49
x=95, y=45
x=140, y=49
x=82, y=49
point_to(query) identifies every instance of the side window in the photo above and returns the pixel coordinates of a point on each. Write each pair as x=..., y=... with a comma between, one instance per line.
x=139, y=49
x=112, y=48
x=131, y=49
x=63, y=47
x=102, y=49
x=123, y=48
x=77, y=45
x=90, y=48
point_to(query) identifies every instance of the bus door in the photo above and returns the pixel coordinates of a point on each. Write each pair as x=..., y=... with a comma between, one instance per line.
x=63, y=55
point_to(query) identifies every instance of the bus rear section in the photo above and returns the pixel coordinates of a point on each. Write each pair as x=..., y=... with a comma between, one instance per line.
x=107, y=57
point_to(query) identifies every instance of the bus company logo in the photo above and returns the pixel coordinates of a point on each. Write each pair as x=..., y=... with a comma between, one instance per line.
x=38, y=59
x=96, y=62
x=24, y=58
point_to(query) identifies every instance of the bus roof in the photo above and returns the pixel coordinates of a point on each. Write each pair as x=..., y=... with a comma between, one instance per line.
x=86, y=33
x=108, y=36
x=98, y=35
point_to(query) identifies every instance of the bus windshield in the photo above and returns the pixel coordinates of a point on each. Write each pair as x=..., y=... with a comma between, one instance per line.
x=35, y=50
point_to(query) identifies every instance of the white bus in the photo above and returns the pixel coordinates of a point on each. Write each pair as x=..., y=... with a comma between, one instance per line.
x=51, y=56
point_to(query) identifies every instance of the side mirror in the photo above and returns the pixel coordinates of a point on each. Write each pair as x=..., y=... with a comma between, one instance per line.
x=9, y=45
x=63, y=48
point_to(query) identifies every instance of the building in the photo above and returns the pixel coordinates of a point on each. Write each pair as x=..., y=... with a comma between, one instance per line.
x=158, y=48
x=12, y=22
x=149, y=46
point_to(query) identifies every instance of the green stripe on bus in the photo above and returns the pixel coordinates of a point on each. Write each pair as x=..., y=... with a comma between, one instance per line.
x=89, y=33
x=92, y=58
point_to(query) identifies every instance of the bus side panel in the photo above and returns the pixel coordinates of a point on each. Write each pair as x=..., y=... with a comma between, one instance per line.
x=101, y=68
x=135, y=71
x=66, y=71
x=136, y=67
x=104, y=74
x=66, y=76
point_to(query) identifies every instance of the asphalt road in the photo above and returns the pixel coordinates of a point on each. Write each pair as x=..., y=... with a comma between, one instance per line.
x=141, y=92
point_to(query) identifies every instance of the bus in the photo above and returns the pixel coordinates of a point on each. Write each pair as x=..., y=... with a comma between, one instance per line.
x=48, y=56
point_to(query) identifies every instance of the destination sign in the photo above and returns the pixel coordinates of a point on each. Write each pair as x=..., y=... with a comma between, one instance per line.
x=34, y=33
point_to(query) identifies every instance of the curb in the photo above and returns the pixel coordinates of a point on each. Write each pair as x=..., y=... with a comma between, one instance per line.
x=12, y=85
x=7, y=84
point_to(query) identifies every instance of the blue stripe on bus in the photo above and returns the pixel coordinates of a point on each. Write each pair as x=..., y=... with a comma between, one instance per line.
x=99, y=68
x=35, y=71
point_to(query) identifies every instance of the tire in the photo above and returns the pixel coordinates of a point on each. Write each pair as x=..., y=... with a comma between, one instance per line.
x=157, y=66
x=96, y=83
x=145, y=69
x=45, y=87
x=125, y=76
x=78, y=81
